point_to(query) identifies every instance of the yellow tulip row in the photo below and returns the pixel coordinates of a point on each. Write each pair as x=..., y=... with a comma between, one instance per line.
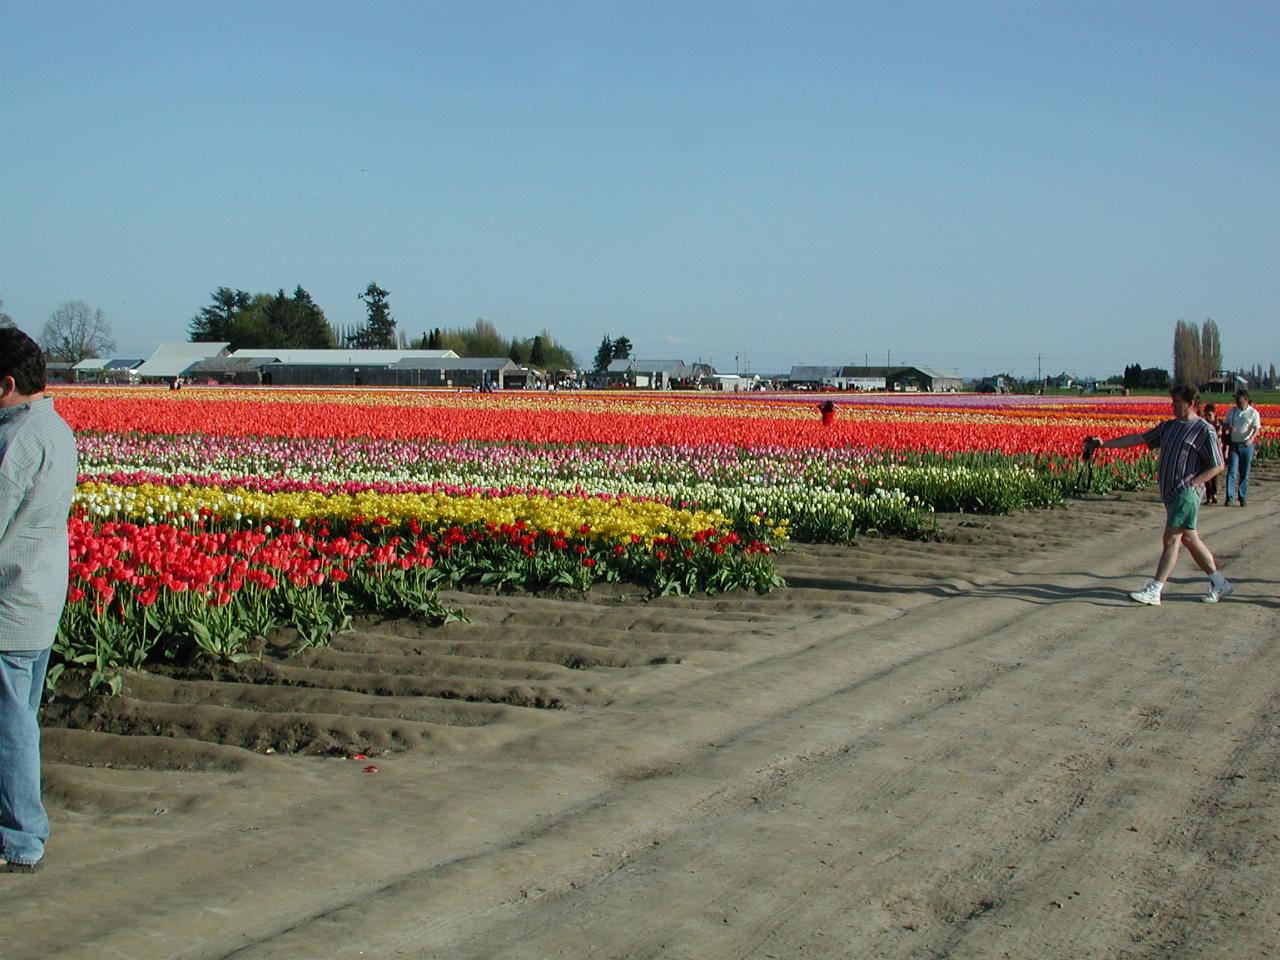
x=608, y=520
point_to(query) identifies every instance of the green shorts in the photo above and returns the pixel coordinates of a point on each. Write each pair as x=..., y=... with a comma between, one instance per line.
x=1183, y=509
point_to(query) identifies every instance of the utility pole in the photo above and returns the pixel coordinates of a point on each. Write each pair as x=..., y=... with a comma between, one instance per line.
x=1038, y=377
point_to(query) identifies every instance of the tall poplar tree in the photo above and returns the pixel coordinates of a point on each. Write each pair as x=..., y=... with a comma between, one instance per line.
x=1210, y=349
x=1186, y=353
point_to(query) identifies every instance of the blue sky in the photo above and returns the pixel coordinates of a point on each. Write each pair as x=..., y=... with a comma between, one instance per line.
x=962, y=185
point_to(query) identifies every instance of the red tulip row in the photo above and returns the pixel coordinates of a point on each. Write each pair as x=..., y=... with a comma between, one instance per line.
x=902, y=430
x=137, y=592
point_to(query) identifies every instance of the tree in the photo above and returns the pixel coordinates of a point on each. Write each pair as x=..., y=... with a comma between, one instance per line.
x=1210, y=349
x=556, y=356
x=516, y=353
x=433, y=341
x=1187, y=356
x=308, y=326
x=76, y=332
x=5, y=319
x=379, y=331
x=216, y=321
x=538, y=353
x=482, y=340
x=622, y=349
x=252, y=326
x=1133, y=376
x=604, y=354
x=296, y=322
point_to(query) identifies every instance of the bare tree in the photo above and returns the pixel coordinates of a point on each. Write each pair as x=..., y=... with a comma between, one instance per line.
x=76, y=332
x=5, y=319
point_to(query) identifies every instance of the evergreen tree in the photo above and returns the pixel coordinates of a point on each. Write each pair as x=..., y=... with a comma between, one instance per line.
x=538, y=353
x=310, y=330
x=252, y=326
x=379, y=331
x=622, y=349
x=216, y=322
x=514, y=352
x=280, y=320
x=604, y=354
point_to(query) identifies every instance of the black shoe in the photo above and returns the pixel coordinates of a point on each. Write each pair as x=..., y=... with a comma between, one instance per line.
x=11, y=867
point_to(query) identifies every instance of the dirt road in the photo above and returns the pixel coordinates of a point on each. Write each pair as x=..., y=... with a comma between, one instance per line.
x=978, y=748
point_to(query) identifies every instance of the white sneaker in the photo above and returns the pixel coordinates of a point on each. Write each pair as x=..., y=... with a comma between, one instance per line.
x=1218, y=593
x=1150, y=594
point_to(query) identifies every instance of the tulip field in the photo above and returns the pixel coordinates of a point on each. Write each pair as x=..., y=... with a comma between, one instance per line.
x=208, y=518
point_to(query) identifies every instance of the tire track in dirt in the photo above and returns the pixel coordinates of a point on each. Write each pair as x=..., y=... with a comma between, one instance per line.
x=1024, y=804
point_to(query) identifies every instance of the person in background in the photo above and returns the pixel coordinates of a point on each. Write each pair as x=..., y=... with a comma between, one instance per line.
x=1244, y=422
x=1189, y=457
x=1224, y=438
x=1210, y=415
x=828, y=411
x=37, y=480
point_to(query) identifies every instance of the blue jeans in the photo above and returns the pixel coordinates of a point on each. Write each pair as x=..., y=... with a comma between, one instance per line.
x=1238, y=463
x=23, y=825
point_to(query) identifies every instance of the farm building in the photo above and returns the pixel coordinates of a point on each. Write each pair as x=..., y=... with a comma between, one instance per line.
x=339, y=357
x=59, y=371
x=733, y=382
x=497, y=372
x=650, y=374
x=926, y=379
x=813, y=378
x=172, y=359
x=1224, y=381
x=233, y=369
x=413, y=371
x=903, y=378
x=115, y=370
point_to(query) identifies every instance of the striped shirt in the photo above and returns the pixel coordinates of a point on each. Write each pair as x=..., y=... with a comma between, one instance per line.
x=37, y=480
x=1187, y=448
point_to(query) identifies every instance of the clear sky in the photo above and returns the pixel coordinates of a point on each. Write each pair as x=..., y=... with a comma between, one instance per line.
x=956, y=184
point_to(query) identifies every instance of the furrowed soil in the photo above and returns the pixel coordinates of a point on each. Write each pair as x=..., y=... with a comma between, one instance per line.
x=977, y=747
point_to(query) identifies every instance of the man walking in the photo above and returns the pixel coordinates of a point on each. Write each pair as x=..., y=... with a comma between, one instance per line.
x=1190, y=455
x=1244, y=422
x=37, y=480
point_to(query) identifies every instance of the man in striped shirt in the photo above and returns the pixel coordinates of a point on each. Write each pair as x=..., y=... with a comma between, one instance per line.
x=1190, y=456
x=37, y=480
